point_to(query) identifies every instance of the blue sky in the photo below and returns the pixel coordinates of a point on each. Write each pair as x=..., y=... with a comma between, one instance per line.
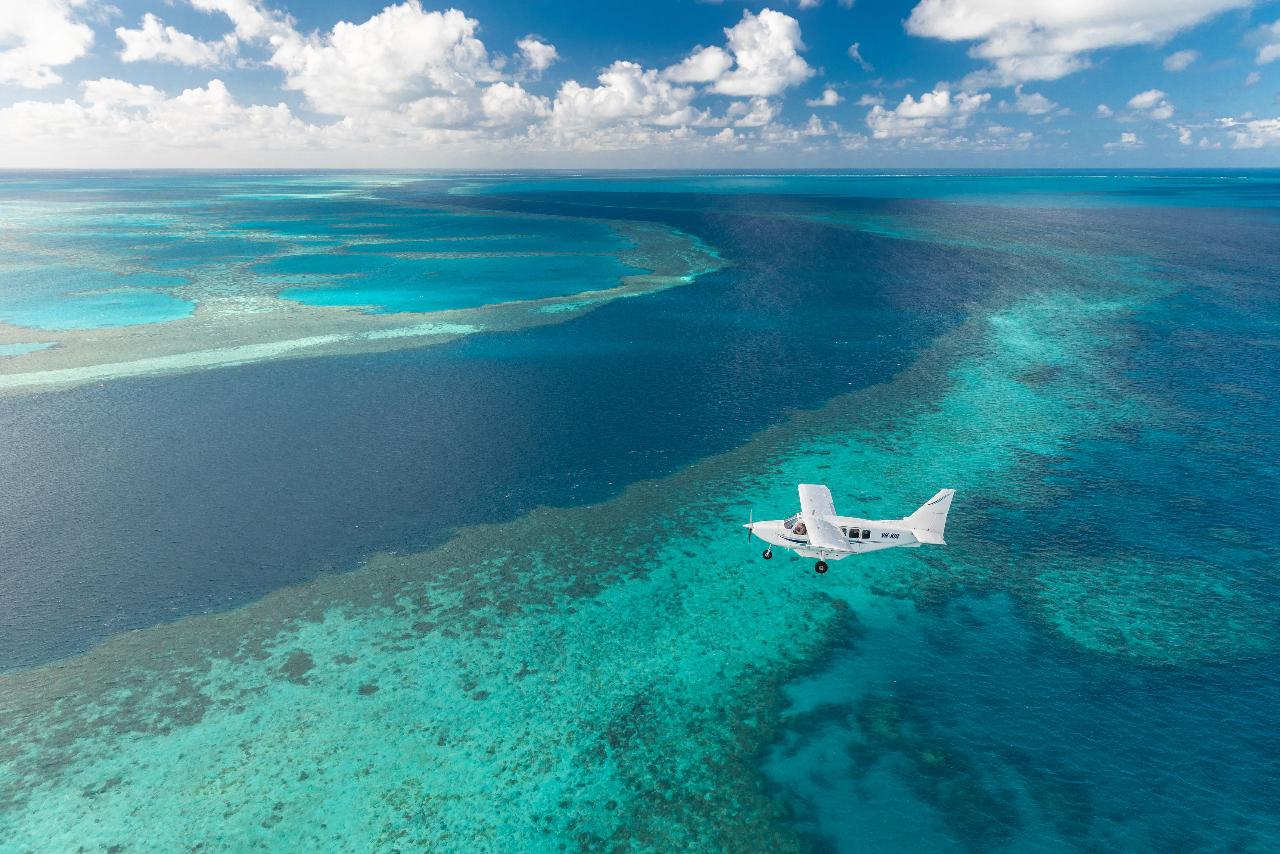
x=666, y=83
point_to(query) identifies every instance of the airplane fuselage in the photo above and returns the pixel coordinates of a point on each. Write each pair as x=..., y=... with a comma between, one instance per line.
x=817, y=531
x=873, y=535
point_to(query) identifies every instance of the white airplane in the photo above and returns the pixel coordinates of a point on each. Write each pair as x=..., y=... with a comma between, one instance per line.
x=817, y=532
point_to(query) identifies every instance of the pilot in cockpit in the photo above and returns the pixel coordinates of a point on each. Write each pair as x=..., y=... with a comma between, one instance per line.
x=796, y=526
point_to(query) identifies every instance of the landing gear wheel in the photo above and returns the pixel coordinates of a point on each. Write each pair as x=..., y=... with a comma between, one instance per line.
x=820, y=567
x=768, y=554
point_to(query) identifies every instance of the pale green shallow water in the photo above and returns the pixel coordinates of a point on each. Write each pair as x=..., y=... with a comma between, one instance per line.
x=592, y=676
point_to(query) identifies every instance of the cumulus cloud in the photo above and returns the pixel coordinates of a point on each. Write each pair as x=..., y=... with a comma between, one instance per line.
x=927, y=119
x=627, y=92
x=537, y=54
x=755, y=113
x=761, y=57
x=1181, y=60
x=1253, y=133
x=704, y=65
x=153, y=40
x=829, y=98
x=1033, y=103
x=509, y=103
x=110, y=92
x=115, y=116
x=1153, y=104
x=1252, y=78
x=401, y=54
x=1127, y=140
x=1048, y=39
x=37, y=36
x=1103, y=112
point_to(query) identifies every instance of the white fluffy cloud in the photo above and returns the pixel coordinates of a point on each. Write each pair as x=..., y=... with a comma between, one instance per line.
x=704, y=65
x=509, y=104
x=1127, y=140
x=538, y=55
x=761, y=58
x=396, y=57
x=628, y=93
x=153, y=40
x=1153, y=104
x=1254, y=133
x=1181, y=60
x=1047, y=39
x=756, y=113
x=927, y=119
x=37, y=36
x=630, y=103
x=765, y=49
x=1032, y=103
x=829, y=98
x=117, y=116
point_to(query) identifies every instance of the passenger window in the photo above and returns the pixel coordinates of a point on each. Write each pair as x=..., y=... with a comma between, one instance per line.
x=853, y=533
x=866, y=533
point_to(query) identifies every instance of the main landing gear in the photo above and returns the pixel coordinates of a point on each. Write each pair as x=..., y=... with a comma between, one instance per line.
x=768, y=554
x=820, y=567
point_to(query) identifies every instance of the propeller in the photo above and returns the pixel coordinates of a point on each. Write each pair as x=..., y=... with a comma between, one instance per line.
x=751, y=520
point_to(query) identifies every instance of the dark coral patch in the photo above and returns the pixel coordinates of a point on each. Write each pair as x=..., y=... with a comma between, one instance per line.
x=298, y=665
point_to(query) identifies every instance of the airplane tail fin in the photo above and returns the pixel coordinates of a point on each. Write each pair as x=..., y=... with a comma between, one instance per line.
x=930, y=521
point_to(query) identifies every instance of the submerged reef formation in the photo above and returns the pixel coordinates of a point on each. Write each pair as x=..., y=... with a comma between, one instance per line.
x=114, y=288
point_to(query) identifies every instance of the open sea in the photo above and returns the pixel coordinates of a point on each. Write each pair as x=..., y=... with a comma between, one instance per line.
x=403, y=511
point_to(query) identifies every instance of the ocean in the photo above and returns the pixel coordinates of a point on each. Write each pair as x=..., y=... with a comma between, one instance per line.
x=403, y=511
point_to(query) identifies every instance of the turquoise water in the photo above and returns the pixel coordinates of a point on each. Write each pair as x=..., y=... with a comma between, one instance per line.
x=61, y=296
x=495, y=595
x=150, y=252
x=399, y=284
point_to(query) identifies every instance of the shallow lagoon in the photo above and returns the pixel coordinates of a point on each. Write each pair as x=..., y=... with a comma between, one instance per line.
x=1074, y=671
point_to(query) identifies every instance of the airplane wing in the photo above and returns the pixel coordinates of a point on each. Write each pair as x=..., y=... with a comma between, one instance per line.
x=817, y=508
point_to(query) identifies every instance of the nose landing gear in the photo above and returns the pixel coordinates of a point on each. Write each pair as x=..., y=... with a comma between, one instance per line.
x=768, y=554
x=820, y=567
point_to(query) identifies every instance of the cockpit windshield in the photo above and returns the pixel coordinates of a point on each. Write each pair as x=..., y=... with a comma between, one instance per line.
x=796, y=526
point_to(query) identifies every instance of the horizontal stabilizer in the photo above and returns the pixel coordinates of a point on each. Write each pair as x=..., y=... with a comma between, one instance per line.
x=931, y=538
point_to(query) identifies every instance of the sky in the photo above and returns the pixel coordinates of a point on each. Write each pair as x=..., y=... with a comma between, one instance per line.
x=654, y=84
